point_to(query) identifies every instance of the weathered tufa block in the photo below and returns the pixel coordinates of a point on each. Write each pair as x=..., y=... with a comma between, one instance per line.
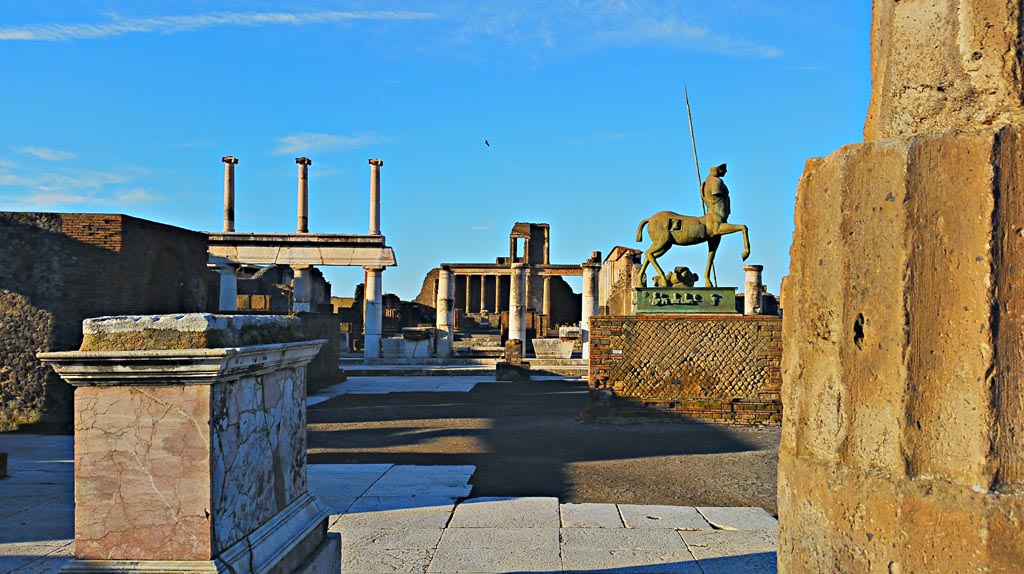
x=903, y=433
x=944, y=65
x=192, y=458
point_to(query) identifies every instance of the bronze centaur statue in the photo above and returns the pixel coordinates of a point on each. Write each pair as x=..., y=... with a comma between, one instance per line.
x=667, y=228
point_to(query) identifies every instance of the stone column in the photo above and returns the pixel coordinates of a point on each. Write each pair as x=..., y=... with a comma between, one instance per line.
x=752, y=289
x=375, y=165
x=590, y=300
x=546, y=303
x=497, y=293
x=469, y=292
x=302, y=288
x=445, y=313
x=190, y=447
x=304, y=163
x=373, y=313
x=228, y=300
x=483, y=293
x=517, y=303
x=229, y=193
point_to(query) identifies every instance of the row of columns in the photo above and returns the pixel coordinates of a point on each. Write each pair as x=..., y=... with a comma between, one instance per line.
x=373, y=312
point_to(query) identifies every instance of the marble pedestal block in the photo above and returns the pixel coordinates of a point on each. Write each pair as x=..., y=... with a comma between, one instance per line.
x=193, y=459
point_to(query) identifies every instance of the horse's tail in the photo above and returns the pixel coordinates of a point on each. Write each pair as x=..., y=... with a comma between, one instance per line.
x=640, y=230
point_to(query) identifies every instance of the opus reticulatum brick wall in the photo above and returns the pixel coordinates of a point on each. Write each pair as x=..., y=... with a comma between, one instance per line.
x=718, y=368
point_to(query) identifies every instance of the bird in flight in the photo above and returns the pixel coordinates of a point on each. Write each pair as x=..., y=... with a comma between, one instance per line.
x=487, y=143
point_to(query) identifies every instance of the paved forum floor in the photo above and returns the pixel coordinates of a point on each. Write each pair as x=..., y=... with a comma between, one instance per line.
x=415, y=518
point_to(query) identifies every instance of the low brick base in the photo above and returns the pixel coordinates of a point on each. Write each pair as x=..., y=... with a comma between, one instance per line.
x=713, y=368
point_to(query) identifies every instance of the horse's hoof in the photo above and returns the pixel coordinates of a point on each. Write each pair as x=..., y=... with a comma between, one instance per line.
x=745, y=254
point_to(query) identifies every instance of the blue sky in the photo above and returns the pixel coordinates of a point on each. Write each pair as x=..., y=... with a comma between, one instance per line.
x=127, y=107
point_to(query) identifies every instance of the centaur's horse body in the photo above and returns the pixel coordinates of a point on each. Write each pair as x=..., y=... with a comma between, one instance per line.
x=667, y=228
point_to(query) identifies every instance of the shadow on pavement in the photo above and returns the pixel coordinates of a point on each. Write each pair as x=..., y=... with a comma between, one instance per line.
x=536, y=439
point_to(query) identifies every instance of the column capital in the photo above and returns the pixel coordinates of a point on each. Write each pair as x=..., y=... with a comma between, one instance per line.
x=303, y=161
x=374, y=269
x=753, y=267
x=375, y=162
x=229, y=159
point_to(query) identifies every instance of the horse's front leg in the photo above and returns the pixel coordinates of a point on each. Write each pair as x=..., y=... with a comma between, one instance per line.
x=727, y=228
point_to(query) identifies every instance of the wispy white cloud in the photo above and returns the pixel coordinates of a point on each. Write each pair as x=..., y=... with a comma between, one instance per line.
x=542, y=25
x=306, y=142
x=21, y=189
x=176, y=24
x=45, y=153
x=481, y=227
x=680, y=33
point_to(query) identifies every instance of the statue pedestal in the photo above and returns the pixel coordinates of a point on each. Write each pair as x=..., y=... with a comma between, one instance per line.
x=676, y=300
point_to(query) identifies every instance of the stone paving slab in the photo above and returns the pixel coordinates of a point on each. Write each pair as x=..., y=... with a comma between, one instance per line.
x=591, y=515
x=512, y=512
x=661, y=539
x=420, y=517
x=733, y=551
x=616, y=561
x=392, y=537
x=539, y=539
x=656, y=516
x=487, y=560
x=738, y=518
x=387, y=560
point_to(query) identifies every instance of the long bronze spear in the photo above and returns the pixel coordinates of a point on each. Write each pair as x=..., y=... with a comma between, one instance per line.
x=696, y=164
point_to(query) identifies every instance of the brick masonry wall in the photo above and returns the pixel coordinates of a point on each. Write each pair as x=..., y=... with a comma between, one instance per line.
x=58, y=269
x=711, y=367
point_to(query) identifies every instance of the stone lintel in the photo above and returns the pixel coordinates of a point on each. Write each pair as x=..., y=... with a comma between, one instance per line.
x=355, y=255
x=177, y=366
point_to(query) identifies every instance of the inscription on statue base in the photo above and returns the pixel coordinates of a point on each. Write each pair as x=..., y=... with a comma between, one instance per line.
x=684, y=300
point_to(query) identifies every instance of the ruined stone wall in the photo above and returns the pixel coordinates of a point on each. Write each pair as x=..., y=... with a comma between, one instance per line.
x=717, y=368
x=58, y=269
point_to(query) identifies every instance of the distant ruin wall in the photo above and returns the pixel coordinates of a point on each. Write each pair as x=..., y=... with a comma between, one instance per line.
x=58, y=269
x=903, y=432
x=722, y=369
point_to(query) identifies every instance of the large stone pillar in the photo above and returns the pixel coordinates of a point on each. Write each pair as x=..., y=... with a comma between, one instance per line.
x=304, y=163
x=469, y=293
x=190, y=447
x=591, y=270
x=445, y=306
x=752, y=290
x=228, y=296
x=229, y=192
x=302, y=288
x=373, y=313
x=902, y=444
x=375, y=165
x=517, y=303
